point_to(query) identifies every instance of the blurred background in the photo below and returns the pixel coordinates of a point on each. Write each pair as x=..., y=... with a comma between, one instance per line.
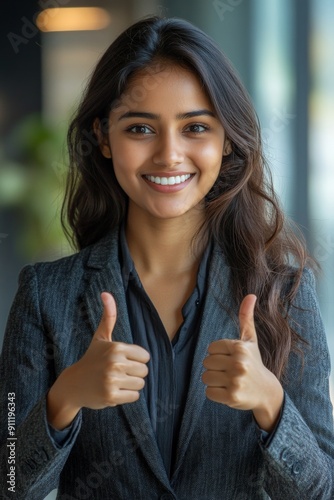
x=283, y=51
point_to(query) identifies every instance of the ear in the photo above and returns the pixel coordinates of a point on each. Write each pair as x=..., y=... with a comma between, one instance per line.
x=227, y=147
x=102, y=139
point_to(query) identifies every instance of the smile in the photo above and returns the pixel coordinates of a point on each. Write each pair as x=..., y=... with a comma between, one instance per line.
x=168, y=181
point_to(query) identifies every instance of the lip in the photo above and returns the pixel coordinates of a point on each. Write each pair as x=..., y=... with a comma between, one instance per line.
x=168, y=174
x=167, y=188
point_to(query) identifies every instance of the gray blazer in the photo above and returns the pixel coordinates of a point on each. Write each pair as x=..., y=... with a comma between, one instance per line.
x=112, y=453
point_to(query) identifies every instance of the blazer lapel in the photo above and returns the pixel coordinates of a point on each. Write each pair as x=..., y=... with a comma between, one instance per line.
x=104, y=274
x=218, y=321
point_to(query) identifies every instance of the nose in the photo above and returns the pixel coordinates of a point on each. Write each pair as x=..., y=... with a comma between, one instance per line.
x=169, y=151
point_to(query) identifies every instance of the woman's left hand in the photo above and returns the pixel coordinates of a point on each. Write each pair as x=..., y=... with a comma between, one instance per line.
x=236, y=376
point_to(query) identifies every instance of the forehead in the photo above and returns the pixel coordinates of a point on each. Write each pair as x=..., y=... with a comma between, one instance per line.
x=165, y=83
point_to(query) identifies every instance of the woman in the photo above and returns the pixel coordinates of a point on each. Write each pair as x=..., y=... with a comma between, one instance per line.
x=183, y=355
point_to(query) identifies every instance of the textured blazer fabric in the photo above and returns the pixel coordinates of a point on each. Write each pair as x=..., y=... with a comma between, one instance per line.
x=112, y=453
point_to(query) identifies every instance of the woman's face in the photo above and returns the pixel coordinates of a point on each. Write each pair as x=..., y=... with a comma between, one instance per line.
x=166, y=143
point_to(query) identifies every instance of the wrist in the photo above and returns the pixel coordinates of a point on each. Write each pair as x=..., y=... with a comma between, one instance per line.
x=61, y=411
x=268, y=411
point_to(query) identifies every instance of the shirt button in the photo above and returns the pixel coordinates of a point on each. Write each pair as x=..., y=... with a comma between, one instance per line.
x=288, y=458
x=296, y=468
x=286, y=455
x=197, y=302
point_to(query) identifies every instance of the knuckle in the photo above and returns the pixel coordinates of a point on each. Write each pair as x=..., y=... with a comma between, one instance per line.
x=240, y=347
x=141, y=383
x=146, y=356
x=116, y=347
x=136, y=396
x=110, y=381
x=113, y=393
x=240, y=366
x=110, y=397
x=114, y=362
x=234, y=399
x=235, y=386
x=118, y=366
x=143, y=371
x=206, y=362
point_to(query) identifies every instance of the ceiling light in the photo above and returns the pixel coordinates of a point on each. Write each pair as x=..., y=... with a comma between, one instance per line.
x=73, y=19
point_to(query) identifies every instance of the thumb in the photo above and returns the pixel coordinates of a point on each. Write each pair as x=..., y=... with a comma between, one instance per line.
x=108, y=320
x=246, y=319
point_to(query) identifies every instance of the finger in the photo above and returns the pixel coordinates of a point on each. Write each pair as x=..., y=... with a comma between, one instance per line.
x=221, y=362
x=131, y=383
x=135, y=352
x=136, y=369
x=124, y=396
x=216, y=362
x=214, y=378
x=246, y=319
x=223, y=346
x=107, y=323
x=217, y=394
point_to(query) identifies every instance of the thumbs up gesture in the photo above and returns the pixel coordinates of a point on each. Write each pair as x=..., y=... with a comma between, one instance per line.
x=236, y=376
x=109, y=374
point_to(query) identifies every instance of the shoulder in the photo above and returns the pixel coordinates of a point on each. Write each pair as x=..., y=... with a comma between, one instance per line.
x=69, y=267
x=67, y=272
x=305, y=296
x=306, y=319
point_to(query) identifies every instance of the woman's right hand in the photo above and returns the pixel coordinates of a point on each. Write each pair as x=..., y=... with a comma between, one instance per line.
x=109, y=374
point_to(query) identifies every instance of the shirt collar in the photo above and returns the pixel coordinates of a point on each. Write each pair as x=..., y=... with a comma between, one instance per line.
x=129, y=271
x=128, y=267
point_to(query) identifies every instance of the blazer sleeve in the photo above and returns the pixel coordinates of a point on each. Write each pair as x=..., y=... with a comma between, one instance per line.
x=26, y=374
x=300, y=456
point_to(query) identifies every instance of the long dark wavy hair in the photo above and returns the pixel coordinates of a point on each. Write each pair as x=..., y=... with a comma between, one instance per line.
x=242, y=211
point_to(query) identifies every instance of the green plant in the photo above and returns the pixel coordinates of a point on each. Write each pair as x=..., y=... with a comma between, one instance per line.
x=32, y=178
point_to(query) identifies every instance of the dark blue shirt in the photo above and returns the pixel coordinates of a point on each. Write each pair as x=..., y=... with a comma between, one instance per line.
x=170, y=363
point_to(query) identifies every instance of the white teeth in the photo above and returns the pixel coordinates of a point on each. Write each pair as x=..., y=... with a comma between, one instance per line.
x=168, y=181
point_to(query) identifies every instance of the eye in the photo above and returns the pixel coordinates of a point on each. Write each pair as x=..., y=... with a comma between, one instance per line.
x=139, y=130
x=197, y=128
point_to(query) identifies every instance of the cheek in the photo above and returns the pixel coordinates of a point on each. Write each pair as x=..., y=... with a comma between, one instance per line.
x=209, y=155
x=123, y=175
x=129, y=153
x=125, y=160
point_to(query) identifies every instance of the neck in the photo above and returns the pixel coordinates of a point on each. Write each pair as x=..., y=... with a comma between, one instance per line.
x=163, y=246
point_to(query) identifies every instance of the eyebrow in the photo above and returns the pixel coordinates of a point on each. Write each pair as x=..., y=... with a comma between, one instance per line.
x=180, y=116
